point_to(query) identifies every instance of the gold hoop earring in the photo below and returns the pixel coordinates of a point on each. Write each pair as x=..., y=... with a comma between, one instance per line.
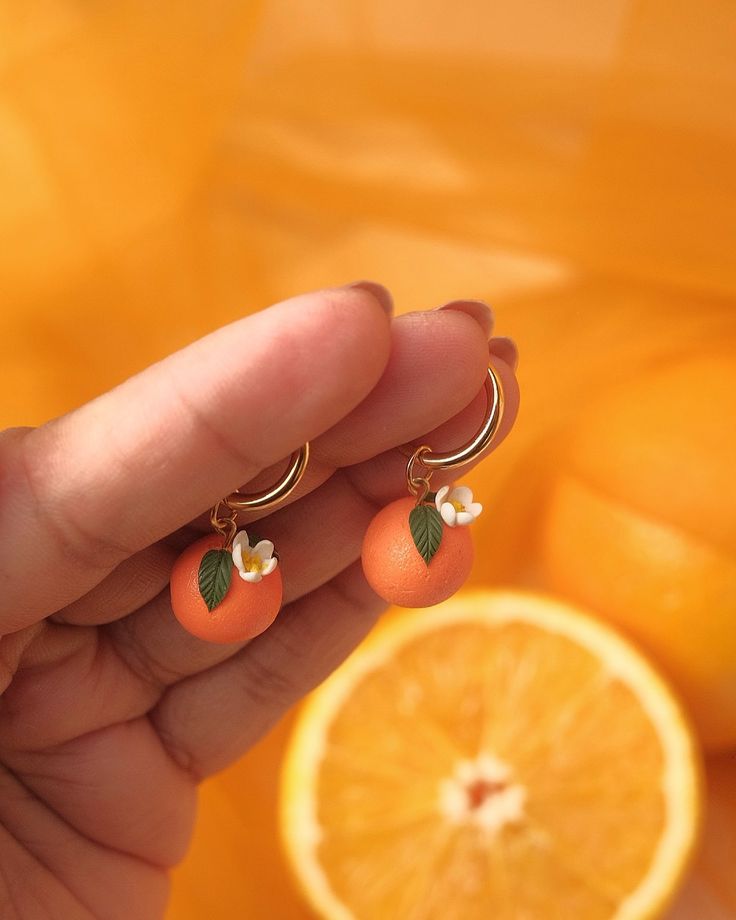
x=227, y=586
x=418, y=550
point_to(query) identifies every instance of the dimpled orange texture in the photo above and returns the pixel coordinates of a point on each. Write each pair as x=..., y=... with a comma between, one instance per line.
x=398, y=573
x=246, y=610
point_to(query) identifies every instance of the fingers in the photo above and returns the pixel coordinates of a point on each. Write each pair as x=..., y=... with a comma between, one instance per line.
x=436, y=367
x=90, y=489
x=383, y=478
x=366, y=440
x=409, y=400
x=65, y=873
x=443, y=409
x=477, y=309
x=131, y=585
x=210, y=719
x=78, y=680
x=118, y=672
x=317, y=537
x=121, y=674
x=505, y=348
x=152, y=812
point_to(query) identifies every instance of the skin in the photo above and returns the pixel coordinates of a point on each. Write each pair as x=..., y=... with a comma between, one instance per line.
x=110, y=712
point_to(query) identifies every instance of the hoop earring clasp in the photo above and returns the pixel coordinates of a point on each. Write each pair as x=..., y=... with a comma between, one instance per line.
x=447, y=460
x=278, y=492
x=224, y=516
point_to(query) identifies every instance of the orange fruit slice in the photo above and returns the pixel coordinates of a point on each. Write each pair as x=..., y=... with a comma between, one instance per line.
x=501, y=756
x=395, y=569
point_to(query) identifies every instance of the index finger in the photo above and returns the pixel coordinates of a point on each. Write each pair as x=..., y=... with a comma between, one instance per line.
x=85, y=491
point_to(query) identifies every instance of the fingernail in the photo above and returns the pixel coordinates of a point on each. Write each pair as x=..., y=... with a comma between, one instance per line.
x=506, y=349
x=376, y=290
x=477, y=309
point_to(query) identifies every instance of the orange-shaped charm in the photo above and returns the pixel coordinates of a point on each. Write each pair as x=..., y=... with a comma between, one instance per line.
x=227, y=587
x=397, y=571
x=417, y=551
x=245, y=607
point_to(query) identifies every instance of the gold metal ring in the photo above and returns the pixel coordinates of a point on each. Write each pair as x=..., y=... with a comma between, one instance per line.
x=447, y=460
x=276, y=493
x=418, y=485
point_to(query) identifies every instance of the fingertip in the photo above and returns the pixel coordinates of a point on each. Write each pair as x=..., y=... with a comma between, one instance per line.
x=445, y=356
x=505, y=348
x=511, y=395
x=345, y=341
x=363, y=314
x=478, y=310
x=346, y=328
x=462, y=343
x=378, y=292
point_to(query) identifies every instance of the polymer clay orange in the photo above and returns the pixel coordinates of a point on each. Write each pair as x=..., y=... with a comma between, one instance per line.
x=245, y=611
x=397, y=572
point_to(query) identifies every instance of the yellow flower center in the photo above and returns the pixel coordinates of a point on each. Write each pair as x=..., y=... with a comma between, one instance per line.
x=252, y=563
x=458, y=506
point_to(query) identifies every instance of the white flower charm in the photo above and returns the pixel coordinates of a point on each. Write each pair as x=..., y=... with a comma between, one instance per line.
x=253, y=562
x=456, y=505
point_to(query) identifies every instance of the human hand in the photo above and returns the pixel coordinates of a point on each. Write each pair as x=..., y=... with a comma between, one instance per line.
x=110, y=712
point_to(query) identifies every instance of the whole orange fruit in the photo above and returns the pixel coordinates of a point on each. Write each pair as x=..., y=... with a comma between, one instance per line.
x=398, y=573
x=245, y=611
x=641, y=526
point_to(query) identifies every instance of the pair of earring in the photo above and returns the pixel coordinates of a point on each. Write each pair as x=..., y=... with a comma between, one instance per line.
x=417, y=551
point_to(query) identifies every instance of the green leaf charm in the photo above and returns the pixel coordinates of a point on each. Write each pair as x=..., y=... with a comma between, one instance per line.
x=215, y=572
x=425, y=523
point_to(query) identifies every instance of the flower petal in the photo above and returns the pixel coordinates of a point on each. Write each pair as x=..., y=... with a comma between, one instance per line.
x=241, y=539
x=475, y=508
x=263, y=550
x=441, y=493
x=461, y=494
x=251, y=576
x=238, y=556
x=449, y=515
x=269, y=565
x=464, y=518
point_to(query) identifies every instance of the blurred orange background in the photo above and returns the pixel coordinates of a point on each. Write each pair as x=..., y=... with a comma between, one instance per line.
x=166, y=168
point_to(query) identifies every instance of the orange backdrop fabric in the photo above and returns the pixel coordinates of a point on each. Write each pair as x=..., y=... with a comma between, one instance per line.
x=166, y=168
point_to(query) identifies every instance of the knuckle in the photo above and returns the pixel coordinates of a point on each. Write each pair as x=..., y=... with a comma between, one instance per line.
x=84, y=546
x=181, y=755
x=139, y=660
x=223, y=439
x=76, y=538
x=268, y=685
